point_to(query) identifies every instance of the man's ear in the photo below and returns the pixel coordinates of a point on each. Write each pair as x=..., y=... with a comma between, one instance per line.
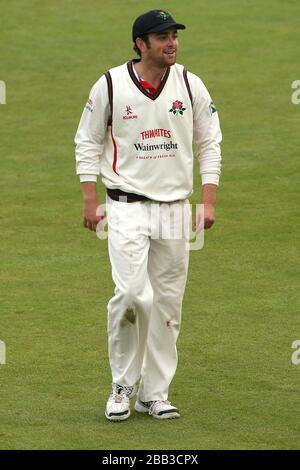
x=141, y=44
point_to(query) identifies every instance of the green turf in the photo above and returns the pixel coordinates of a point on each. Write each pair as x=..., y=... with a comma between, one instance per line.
x=235, y=386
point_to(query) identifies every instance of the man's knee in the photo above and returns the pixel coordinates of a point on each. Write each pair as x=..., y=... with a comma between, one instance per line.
x=135, y=297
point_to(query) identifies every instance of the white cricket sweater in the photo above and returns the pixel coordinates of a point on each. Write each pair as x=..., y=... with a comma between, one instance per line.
x=147, y=148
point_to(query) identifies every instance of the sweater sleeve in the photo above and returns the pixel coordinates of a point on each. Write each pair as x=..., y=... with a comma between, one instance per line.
x=207, y=134
x=91, y=132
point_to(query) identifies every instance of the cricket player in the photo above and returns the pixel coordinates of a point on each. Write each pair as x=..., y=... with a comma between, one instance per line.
x=136, y=132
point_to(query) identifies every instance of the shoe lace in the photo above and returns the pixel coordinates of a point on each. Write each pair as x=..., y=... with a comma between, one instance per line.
x=119, y=397
x=120, y=392
x=157, y=404
x=129, y=390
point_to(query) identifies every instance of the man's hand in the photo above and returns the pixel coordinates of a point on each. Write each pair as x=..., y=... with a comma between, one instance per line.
x=90, y=217
x=92, y=211
x=209, y=215
x=206, y=215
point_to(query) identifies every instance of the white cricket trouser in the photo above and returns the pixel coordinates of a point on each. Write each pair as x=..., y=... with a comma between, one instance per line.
x=149, y=268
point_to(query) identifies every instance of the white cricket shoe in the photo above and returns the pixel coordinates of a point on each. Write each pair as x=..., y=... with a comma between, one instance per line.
x=118, y=405
x=161, y=409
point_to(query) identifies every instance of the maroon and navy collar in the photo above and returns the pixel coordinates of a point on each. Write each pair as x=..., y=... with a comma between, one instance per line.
x=135, y=80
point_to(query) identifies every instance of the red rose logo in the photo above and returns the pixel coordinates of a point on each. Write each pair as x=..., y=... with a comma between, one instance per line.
x=177, y=107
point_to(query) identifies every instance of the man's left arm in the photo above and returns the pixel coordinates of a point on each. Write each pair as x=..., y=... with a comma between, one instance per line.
x=207, y=138
x=209, y=198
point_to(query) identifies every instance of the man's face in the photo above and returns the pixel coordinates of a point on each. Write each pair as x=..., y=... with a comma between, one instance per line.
x=162, y=48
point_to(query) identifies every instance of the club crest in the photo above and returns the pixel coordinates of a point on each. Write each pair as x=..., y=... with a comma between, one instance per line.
x=177, y=108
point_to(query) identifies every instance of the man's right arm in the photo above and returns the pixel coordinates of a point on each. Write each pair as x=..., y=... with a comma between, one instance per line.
x=89, y=147
x=91, y=207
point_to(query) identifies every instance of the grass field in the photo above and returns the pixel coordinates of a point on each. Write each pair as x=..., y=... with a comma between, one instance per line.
x=236, y=386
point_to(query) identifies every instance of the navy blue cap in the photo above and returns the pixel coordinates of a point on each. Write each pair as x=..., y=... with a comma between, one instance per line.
x=153, y=21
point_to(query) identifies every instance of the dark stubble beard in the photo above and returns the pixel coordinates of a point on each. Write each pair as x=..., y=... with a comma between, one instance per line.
x=160, y=62
x=163, y=62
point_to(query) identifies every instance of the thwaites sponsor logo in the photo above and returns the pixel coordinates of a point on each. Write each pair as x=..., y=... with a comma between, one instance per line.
x=129, y=113
x=152, y=133
x=154, y=147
